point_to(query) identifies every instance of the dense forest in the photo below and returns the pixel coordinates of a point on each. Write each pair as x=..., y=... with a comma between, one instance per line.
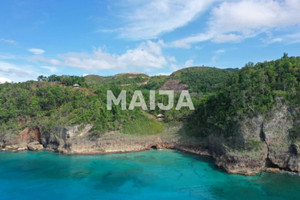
x=251, y=91
x=223, y=97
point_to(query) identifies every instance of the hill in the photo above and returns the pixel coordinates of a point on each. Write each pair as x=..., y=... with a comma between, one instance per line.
x=254, y=121
x=125, y=79
x=197, y=79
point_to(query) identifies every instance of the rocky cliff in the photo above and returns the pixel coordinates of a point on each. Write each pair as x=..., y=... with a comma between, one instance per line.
x=261, y=142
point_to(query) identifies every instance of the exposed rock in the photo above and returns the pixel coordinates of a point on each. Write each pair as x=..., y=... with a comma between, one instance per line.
x=62, y=137
x=24, y=148
x=294, y=163
x=276, y=131
x=174, y=85
x=241, y=163
x=35, y=146
x=76, y=130
x=118, y=143
x=251, y=129
x=260, y=141
x=2, y=144
x=193, y=146
x=15, y=147
x=29, y=135
x=272, y=170
x=11, y=147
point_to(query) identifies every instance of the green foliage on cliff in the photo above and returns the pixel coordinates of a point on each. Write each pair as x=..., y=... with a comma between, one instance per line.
x=49, y=106
x=252, y=90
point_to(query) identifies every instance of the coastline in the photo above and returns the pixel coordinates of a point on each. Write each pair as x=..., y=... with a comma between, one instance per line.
x=204, y=154
x=121, y=143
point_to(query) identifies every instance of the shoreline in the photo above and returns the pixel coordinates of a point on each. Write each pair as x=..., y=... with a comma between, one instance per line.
x=265, y=170
x=184, y=150
x=171, y=139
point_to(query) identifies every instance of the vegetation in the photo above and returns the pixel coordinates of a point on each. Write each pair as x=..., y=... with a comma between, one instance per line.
x=119, y=79
x=252, y=90
x=49, y=106
x=64, y=80
x=223, y=98
x=203, y=79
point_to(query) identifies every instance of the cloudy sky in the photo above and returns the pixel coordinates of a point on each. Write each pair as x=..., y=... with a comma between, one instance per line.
x=107, y=37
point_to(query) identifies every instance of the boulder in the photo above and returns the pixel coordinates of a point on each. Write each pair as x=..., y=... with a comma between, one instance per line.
x=35, y=146
x=242, y=162
x=15, y=147
x=272, y=170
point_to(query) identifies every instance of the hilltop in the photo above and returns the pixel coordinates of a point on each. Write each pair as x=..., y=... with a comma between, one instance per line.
x=196, y=79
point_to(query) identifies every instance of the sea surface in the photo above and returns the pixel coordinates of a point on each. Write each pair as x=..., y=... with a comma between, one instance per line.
x=144, y=175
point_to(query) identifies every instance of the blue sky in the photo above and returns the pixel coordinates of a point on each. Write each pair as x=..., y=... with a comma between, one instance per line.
x=107, y=37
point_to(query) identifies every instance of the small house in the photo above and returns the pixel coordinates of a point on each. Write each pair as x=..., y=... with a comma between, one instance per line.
x=76, y=86
x=160, y=116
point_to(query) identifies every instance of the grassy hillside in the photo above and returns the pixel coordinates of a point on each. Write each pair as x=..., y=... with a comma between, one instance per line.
x=94, y=79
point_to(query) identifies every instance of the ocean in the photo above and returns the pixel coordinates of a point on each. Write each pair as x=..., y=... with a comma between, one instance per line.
x=155, y=174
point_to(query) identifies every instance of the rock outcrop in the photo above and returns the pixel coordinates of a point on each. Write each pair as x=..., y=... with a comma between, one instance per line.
x=35, y=146
x=262, y=141
x=29, y=135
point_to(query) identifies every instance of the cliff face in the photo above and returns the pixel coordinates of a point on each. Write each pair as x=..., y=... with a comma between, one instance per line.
x=263, y=141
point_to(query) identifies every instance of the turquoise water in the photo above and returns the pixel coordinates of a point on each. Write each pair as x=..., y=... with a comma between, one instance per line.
x=143, y=175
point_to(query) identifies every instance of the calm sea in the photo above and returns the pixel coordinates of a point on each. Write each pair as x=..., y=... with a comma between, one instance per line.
x=144, y=175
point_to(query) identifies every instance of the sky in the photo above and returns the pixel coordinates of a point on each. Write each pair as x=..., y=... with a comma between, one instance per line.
x=107, y=37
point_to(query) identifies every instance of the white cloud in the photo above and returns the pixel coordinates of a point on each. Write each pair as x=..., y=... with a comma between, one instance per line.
x=174, y=67
x=148, y=55
x=216, y=55
x=36, y=51
x=189, y=63
x=171, y=59
x=237, y=20
x=50, y=61
x=220, y=51
x=4, y=80
x=292, y=38
x=152, y=18
x=163, y=74
x=50, y=68
x=16, y=74
x=7, y=57
x=248, y=17
x=8, y=41
x=186, y=42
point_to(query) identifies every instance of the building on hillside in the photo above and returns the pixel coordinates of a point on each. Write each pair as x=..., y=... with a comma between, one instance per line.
x=76, y=86
x=160, y=116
